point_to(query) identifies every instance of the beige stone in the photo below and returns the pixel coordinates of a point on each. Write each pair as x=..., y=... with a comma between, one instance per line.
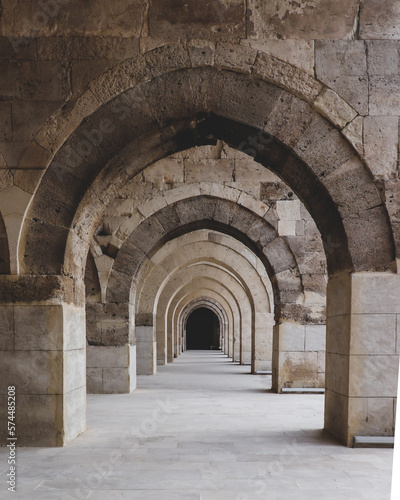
x=354, y=132
x=330, y=105
x=381, y=144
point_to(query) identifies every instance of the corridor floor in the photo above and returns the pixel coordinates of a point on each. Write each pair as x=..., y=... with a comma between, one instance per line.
x=203, y=428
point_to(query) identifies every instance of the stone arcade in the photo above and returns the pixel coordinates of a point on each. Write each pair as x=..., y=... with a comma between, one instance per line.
x=158, y=157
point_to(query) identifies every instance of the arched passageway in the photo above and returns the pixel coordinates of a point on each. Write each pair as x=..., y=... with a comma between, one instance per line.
x=202, y=330
x=241, y=104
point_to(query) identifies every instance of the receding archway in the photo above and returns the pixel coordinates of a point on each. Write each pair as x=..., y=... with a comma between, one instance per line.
x=202, y=330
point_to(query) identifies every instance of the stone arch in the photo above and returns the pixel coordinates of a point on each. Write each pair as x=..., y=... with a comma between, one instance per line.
x=314, y=160
x=214, y=306
x=214, y=289
x=225, y=216
x=232, y=322
x=182, y=255
x=312, y=157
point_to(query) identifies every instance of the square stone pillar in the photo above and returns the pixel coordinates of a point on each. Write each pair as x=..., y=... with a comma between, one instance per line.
x=170, y=344
x=246, y=341
x=261, y=349
x=298, y=356
x=111, y=357
x=111, y=369
x=146, y=350
x=43, y=355
x=362, y=355
x=162, y=343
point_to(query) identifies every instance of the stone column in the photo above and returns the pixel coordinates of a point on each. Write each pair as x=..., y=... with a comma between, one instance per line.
x=246, y=338
x=111, y=353
x=170, y=343
x=146, y=345
x=261, y=358
x=162, y=342
x=42, y=337
x=298, y=356
x=362, y=355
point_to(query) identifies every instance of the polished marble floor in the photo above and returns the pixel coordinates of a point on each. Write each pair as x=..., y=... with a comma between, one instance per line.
x=203, y=428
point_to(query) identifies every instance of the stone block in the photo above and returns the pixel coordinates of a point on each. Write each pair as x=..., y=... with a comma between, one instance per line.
x=261, y=98
x=144, y=333
x=40, y=411
x=337, y=373
x=234, y=57
x=372, y=416
x=354, y=133
x=253, y=204
x=288, y=122
x=287, y=77
x=32, y=372
x=373, y=376
x=299, y=369
x=287, y=228
x=221, y=171
x=107, y=357
x=44, y=80
x=202, y=52
x=328, y=151
x=114, y=333
x=279, y=257
x=336, y=416
x=317, y=19
x=74, y=327
x=338, y=58
x=6, y=328
x=291, y=337
x=375, y=293
x=381, y=145
x=315, y=338
x=74, y=414
x=219, y=20
x=333, y=107
x=166, y=173
x=72, y=18
x=115, y=380
x=299, y=53
x=74, y=366
x=338, y=334
x=38, y=328
x=339, y=295
x=288, y=210
x=94, y=380
x=379, y=20
x=76, y=48
x=384, y=95
x=383, y=58
x=353, y=89
x=373, y=334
